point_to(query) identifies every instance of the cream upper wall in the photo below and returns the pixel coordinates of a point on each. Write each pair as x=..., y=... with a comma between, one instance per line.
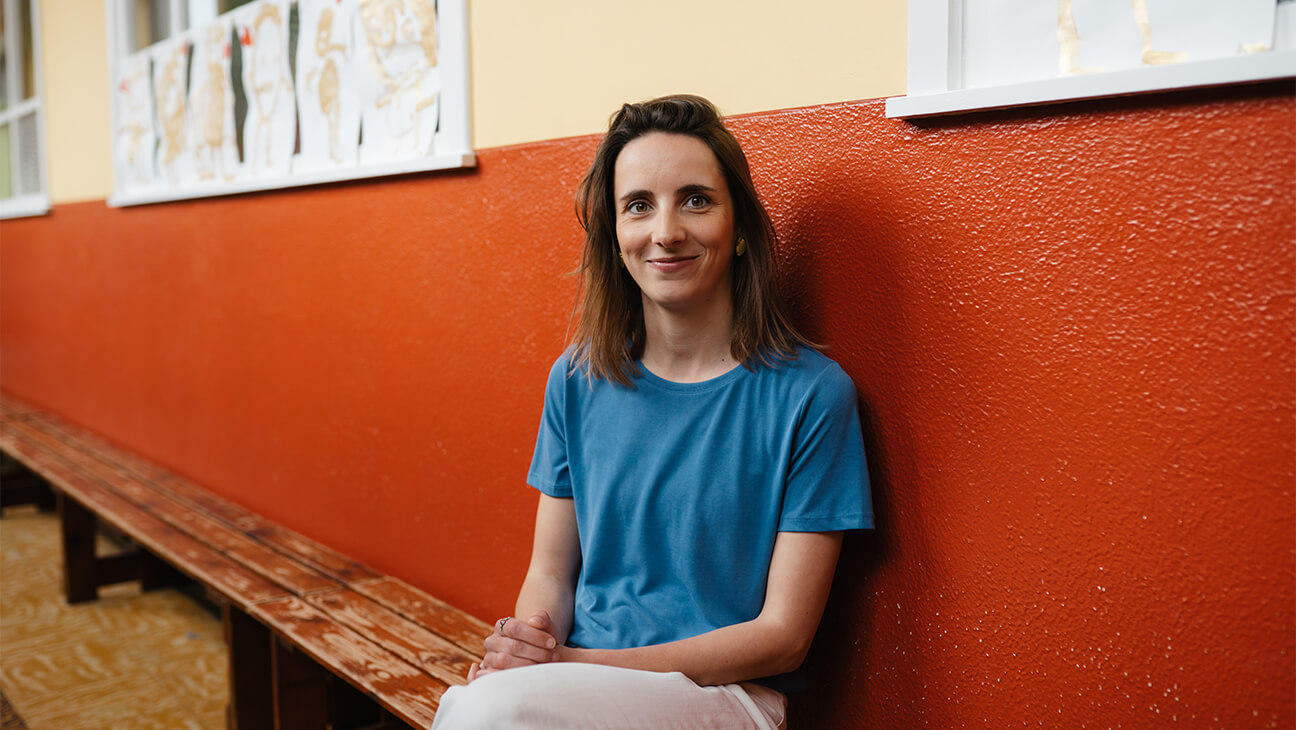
x=542, y=70
x=78, y=135
x=555, y=69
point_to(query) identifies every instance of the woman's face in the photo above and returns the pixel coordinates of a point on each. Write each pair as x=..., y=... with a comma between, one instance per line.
x=674, y=221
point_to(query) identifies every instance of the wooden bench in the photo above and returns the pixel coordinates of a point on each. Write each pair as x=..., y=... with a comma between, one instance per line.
x=315, y=639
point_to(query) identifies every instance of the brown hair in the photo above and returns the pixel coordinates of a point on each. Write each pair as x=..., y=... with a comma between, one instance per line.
x=610, y=333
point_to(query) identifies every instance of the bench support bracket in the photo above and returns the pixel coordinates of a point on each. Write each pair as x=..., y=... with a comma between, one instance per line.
x=84, y=571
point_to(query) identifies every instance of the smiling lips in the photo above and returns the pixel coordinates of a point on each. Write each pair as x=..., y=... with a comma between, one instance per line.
x=672, y=263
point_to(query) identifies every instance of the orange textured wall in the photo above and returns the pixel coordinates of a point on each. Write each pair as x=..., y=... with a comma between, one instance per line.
x=1073, y=332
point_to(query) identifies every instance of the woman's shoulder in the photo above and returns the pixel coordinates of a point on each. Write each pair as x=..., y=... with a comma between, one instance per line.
x=563, y=363
x=814, y=372
x=569, y=368
x=807, y=362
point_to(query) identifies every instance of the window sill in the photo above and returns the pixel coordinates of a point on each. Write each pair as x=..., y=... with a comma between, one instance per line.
x=1215, y=72
x=157, y=194
x=23, y=206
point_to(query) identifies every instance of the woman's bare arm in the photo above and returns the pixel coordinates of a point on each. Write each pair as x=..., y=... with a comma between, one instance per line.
x=776, y=641
x=547, y=598
x=550, y=583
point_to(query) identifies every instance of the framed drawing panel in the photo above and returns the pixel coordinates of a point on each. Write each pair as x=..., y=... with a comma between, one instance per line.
x=236, y=97
x=965, y=55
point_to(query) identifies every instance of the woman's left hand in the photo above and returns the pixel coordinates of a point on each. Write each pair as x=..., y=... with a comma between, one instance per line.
x=517, y=643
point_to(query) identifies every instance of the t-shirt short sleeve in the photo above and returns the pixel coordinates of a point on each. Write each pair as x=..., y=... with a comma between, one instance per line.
x=550, y=469
x=827, y=482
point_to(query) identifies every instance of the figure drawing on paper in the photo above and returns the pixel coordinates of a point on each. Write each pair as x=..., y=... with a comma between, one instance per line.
x=211, y=106
x=169, y=89
x=329, y=102
x=136, y=137
x=328, y=112
x=226, y=101
x=1069, y=44
x=269, y=129
x=401, y=78
x=1185, y=30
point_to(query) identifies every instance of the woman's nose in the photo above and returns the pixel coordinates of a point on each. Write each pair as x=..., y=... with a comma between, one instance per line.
x=668, y=229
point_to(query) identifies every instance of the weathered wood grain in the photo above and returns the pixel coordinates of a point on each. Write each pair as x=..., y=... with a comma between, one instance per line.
x=389, y=640
x=278, y=568
x=11, y=407
x=235, y=583
x=323, y=559
x=93, y=443
x=403, y=690
x=461, y=629
x=412, y=642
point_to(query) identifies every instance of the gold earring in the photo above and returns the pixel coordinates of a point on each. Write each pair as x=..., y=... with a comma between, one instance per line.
x=741, y=248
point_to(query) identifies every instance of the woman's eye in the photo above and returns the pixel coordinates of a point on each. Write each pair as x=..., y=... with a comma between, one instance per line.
x=637, y=206
x=696, y=201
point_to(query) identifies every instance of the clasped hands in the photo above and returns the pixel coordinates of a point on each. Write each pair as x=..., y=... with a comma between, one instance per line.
x=518, y=643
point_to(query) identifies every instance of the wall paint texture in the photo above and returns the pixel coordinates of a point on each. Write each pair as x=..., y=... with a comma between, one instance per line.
x=1073, y=332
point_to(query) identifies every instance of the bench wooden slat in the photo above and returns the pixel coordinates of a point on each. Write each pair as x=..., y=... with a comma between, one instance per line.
x=235, y=583
x=96, y=444
x=402, y=689
x=282, y=570
x=298, y=547
x=412, y=642
x=394, y=643
x=11, y=407
x=456, y=626
x=324, y=559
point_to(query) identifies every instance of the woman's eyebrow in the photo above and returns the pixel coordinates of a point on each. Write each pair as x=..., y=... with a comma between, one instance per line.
x=694, y=188
x=631, y=195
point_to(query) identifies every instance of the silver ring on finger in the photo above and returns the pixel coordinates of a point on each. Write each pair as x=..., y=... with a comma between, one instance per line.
x=500, y=626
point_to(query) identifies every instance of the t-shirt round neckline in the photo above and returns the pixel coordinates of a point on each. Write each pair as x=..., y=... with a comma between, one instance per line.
x=648, y=377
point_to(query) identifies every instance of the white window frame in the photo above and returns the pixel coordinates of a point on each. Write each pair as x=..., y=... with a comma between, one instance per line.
x=38, y=203
x=456, y=117
x=935, y=72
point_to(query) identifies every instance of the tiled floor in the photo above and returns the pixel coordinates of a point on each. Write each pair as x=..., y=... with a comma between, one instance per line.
x=129, y=660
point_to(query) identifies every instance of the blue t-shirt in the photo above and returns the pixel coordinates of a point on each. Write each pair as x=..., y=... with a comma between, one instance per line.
x=680, y=489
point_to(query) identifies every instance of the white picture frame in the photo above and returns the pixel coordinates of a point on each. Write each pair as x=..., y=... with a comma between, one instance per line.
x=936, y=69
x=453, y=132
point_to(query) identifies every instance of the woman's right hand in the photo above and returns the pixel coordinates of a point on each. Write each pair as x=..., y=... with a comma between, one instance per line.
x=517, y=643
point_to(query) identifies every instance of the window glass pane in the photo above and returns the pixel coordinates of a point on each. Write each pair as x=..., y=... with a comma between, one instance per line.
x=199, y=13
x=152, y=22
x=228, y=5
x=28, y=156
x=6, y=185
x=27, y=75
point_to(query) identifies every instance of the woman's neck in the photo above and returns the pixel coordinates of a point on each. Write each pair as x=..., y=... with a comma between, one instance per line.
x=689, y=347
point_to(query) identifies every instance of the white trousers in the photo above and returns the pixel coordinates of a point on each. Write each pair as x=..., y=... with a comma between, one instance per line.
x=572, y=696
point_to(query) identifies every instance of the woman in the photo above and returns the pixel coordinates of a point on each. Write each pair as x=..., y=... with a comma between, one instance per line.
x=697, y=460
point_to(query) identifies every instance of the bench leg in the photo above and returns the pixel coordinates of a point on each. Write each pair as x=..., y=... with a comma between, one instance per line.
x=251, y=703
x=23, y=487
x=300, y=696
x=349, y=707
x=155, y=572
x=80, y=577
